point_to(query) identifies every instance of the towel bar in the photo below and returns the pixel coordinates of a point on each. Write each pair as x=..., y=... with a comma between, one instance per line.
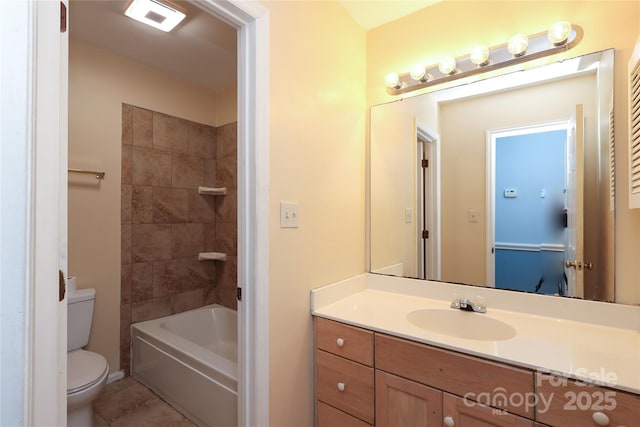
x=98, y=174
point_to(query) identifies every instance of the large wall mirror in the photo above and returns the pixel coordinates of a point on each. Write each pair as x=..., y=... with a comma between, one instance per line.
x=506, y=182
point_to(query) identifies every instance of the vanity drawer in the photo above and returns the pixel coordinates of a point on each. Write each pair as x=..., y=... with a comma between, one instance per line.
x=328, y=416
x=455, y=409
x=487, y=382
x=344, y=340
x=563, y=401
x=345, y=385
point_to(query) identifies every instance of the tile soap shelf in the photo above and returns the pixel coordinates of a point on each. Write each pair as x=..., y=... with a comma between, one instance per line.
x=212, y=256
x=212, y=191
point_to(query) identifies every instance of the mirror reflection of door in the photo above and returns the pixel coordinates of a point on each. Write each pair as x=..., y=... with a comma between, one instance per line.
x=575, y=199
x=427, y=263
x=530, y=200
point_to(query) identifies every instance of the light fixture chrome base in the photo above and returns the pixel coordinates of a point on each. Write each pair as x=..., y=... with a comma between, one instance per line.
x=499, y=57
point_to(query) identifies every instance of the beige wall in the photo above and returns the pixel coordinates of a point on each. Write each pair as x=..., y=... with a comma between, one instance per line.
x=393, y=188
x=227, y=105
x=99, y=82
x=454, y=27
x=317, y=122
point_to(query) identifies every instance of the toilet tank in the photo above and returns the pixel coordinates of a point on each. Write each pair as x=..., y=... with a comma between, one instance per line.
x=79, y=317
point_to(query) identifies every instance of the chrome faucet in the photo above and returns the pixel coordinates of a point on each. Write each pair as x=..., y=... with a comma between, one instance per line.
x=466, y=304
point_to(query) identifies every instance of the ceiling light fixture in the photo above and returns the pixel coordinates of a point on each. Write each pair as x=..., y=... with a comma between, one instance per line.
x=156, y=14
x=559, y=38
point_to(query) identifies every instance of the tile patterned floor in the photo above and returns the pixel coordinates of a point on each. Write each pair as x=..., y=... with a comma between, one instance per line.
x=127, y=403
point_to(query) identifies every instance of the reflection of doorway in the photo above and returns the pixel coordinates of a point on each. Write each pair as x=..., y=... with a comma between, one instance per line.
x=428, y=251
x=527, y=187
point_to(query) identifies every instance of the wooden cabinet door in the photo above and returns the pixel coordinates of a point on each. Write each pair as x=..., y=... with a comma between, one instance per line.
x=404, y=403
x=458, y=412
x=563, y=402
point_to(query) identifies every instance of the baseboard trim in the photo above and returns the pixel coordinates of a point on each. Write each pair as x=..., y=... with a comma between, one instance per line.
x=115, y=376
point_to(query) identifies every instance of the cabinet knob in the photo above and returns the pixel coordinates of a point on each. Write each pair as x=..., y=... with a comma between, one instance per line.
x=340, y=386
x=448, y=421
x=600, y=419
x=340, y=342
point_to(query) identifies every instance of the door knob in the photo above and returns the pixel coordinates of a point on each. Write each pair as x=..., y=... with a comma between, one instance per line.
x=570, y=264
x=578, y=265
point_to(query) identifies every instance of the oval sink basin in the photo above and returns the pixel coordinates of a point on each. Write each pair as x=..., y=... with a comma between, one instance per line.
x=461, y=324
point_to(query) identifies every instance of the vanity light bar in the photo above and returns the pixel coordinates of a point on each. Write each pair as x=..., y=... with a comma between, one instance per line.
x=520, y=48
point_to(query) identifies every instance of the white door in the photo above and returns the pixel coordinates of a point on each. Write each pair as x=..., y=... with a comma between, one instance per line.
x=574, y=252
x=47, y=348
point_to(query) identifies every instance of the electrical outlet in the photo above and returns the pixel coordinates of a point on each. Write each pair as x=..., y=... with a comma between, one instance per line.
x=288, y=215
x=473, y=215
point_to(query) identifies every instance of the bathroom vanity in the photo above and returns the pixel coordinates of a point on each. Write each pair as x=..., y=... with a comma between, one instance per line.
x=377, y=364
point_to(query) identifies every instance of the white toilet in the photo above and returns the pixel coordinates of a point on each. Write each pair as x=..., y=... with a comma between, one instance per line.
x=86, y=371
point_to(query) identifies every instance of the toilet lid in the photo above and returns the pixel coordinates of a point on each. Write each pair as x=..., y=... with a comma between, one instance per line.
x=84, y=369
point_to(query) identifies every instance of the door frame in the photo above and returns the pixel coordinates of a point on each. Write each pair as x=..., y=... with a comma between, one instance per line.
x=492, y=135
x=45, y=317
x=45, y=381
x=428, y=142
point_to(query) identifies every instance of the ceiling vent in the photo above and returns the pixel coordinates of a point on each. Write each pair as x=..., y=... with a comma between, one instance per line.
x=163, y=16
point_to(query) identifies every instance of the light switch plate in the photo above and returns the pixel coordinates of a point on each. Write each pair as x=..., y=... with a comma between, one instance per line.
x=408, y=216
x=288, y=215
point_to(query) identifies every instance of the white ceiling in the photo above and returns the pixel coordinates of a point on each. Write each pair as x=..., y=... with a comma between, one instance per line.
x=202, y=49
x=373, y=13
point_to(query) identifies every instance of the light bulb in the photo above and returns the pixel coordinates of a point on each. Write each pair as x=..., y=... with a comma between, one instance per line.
x=480, y=56
x=447, y=66
x=517, y=45
x=559, y=33
x=418, y=72
x=392, y=81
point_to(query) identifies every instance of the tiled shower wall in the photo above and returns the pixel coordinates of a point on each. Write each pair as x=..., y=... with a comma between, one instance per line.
x=166, y=223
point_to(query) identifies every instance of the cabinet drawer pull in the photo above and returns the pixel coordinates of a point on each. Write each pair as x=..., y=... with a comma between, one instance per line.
x=448, y=421
x=340, y=342
x=341, y=387
x=600, y=419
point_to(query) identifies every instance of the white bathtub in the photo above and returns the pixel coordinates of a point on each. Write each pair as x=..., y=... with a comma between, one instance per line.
x=190, y=360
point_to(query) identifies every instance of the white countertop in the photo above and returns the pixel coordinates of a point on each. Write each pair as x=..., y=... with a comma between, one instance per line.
x=564, y=340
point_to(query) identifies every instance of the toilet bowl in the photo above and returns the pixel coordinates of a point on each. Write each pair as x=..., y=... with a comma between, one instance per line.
x=87, y=374
x=87, y=371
